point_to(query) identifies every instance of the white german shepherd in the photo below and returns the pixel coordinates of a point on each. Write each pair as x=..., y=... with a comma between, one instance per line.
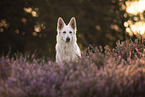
x=67, y=48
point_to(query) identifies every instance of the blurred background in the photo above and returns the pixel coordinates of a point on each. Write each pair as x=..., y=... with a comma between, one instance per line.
x=29, y=25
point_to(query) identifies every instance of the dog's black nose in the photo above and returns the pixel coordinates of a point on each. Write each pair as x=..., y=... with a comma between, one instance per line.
x=67, y=39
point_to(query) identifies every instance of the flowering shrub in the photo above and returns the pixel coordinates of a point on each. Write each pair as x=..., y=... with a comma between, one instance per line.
x=100, y=73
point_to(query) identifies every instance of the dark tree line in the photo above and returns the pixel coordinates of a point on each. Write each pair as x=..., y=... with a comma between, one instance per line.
x=99, y=22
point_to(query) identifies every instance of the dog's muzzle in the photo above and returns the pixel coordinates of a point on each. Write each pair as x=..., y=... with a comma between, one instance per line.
x=67, y=39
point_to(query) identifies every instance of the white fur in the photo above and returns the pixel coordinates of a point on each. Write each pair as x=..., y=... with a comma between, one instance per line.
x=67, y=50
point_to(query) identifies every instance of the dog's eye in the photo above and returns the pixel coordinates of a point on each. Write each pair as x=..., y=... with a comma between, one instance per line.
x=64, y=32
x=70, y=32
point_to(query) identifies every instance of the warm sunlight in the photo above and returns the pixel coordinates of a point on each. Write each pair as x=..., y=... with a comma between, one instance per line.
x=37, y=28
x=3, y=24
x=29, y=10
x=136, y=8
x=137, y=28
x=32, y=11
x=34, y=14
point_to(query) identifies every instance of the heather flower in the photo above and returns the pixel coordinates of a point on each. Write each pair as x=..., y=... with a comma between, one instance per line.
x=101, y=72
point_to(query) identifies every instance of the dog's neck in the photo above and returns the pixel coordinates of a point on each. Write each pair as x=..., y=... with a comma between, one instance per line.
x=65, y=45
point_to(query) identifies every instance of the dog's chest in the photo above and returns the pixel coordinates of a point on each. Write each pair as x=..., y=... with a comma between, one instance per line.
x=68, y=50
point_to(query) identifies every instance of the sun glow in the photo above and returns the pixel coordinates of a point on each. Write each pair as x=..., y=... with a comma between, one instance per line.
x=3, y=25
x=136, y=8
x=32, y=11
x=137, y=28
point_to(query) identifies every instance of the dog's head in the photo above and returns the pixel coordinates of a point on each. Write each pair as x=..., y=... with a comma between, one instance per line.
x=66, y=31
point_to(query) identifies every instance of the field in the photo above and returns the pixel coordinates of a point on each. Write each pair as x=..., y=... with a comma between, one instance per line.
x=101, y=72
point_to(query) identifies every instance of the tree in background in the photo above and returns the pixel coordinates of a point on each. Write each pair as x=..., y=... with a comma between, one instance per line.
x=27, y=25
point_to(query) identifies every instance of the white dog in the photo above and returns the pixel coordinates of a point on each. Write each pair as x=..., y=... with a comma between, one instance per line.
x=66, y=47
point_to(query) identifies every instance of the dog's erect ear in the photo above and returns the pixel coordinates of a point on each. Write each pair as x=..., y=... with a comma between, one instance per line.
x=72, y=23
x=60, y=24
